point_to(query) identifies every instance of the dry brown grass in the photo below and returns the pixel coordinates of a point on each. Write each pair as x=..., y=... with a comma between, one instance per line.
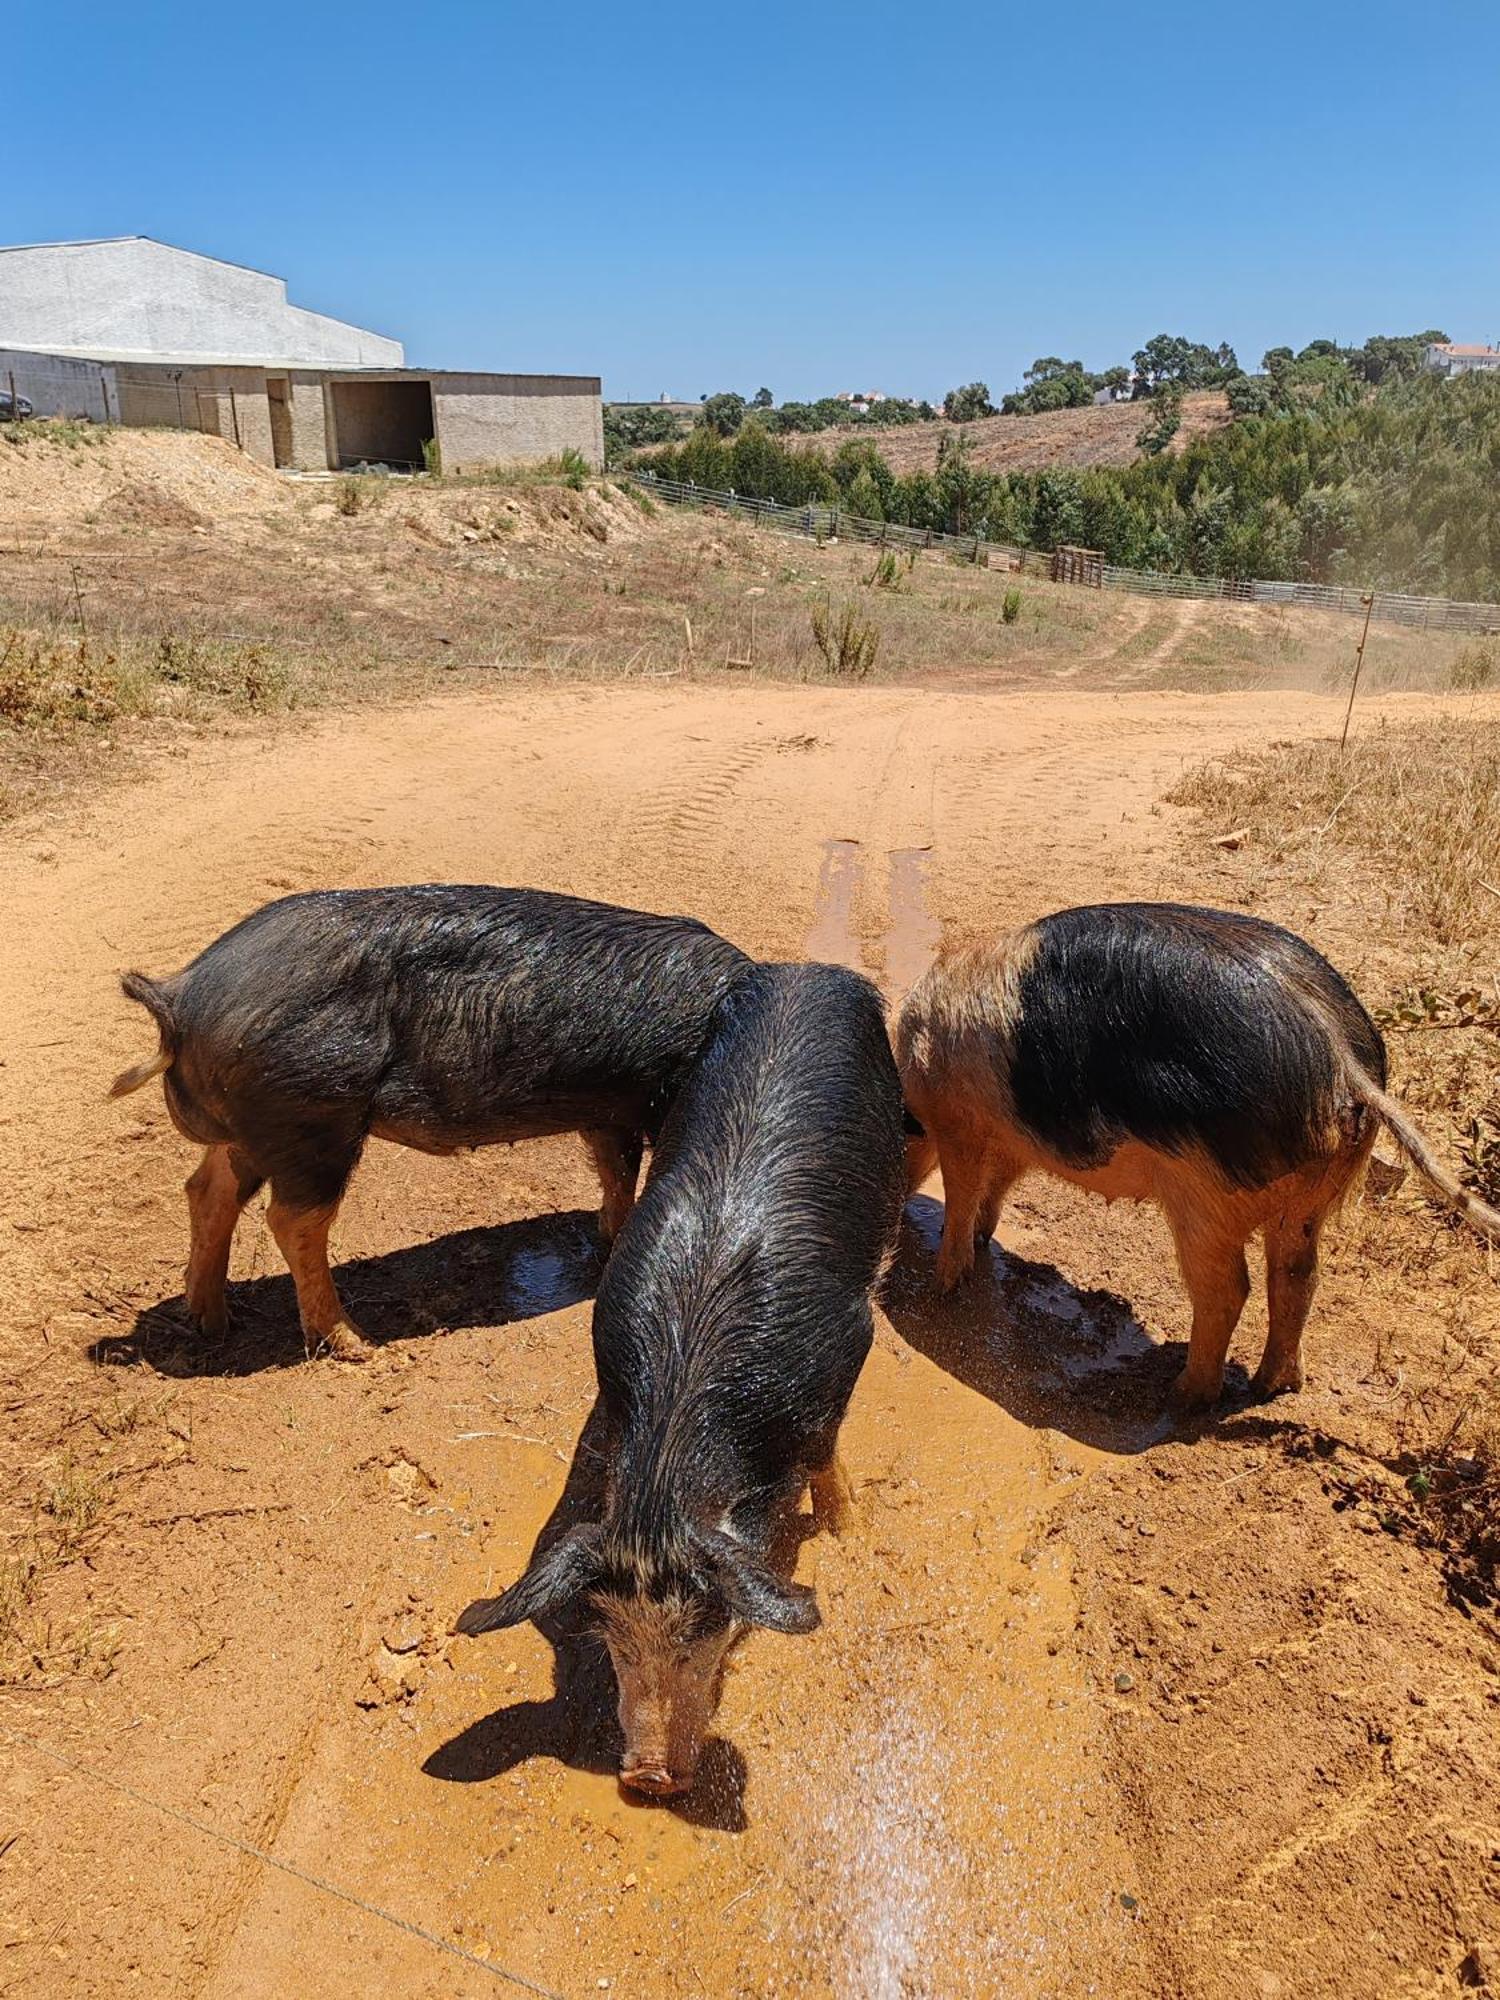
x=36, y=1647
x=1418, y=805
x=55, y=682
x=1401, y=832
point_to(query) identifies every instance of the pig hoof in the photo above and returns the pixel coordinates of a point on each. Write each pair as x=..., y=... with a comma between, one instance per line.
x=343, y=1342
x=1190, y=1399
x=1286, y=1382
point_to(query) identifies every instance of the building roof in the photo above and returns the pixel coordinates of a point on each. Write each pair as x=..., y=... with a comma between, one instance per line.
x=97, y=242
x=1470, y=348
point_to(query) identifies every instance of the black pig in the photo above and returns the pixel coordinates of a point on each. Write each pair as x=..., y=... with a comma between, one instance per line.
x=729, y=1331
x=441, y=1018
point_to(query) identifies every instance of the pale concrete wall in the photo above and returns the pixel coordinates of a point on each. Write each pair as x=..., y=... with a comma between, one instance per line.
x=58, y=386
x=133, y=297
x=516, y=419
x=225, y=402
x=310, y=451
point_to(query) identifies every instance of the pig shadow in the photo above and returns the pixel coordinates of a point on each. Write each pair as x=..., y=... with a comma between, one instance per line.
x=1053, y=1355
x=578, y=1726
x=486, y=1277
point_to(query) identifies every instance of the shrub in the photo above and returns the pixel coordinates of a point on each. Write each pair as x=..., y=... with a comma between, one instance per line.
x=357, y=494
x=1010, y=606
x=886, y=574
x=46, y=682
x=848, y=642
x=1472, y=667
x=432, y=457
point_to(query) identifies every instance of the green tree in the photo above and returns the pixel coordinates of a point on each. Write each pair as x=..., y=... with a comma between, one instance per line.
x=762, y=399
x=1164, y=422
x=962, y=406
x=723, y=413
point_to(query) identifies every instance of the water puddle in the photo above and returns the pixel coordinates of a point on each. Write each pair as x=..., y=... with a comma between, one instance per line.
x=510, y=1271
x=914, y=935
x=831, y=940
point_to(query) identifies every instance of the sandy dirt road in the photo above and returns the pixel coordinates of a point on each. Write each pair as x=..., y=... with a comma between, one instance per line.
x=915, y=1801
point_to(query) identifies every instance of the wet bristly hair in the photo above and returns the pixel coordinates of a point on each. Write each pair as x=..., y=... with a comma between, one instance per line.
x=734, y=1316
x=1183, y=1028
x=460, y=1014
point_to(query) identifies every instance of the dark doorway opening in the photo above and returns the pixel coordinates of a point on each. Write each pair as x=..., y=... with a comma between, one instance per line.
x=382, y=423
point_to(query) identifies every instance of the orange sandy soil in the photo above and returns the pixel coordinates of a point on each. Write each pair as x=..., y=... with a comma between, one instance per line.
x=1096, y=1708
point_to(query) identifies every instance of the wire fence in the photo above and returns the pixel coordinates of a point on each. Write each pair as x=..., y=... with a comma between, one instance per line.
x=823, y=523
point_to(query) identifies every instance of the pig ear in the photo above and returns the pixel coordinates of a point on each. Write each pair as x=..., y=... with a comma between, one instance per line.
x=753, y=1593
x=559, y=1573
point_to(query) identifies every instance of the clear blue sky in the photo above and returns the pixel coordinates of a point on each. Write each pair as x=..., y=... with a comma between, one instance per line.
x=689, y=198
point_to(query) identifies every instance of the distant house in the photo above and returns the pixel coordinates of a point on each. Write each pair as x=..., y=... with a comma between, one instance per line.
x=861, y=400
x=1452, y=357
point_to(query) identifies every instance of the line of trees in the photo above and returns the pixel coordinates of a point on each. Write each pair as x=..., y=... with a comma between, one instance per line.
x=1359, y=467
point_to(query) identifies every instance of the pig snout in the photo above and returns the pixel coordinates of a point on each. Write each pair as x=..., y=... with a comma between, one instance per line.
x=667, y=1674
x=651, y=1776
x=663, y=1739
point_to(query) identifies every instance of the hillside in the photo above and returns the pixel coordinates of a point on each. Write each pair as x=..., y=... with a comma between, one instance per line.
x=1102, y=434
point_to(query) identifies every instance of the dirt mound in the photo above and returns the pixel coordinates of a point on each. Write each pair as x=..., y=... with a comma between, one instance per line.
x=144, y=503
x=532, y=517
x=1097, y=435
x=142, y=476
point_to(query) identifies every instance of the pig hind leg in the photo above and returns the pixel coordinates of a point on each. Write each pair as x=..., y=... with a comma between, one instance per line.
x=301, y=1215
x=1291, y=1280
x=616, y=1154
x=1211, y=1253
x=217, y=1191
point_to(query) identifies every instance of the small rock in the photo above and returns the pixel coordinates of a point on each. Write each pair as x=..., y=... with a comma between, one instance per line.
x=1129, y=1902
x=1124, y=1683
x=404, y=1635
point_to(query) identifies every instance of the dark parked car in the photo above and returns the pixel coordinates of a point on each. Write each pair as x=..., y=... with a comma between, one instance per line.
x=14, y=409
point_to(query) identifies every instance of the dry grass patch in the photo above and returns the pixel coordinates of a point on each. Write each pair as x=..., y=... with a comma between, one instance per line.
x=1419, y=804
x=1397, y=840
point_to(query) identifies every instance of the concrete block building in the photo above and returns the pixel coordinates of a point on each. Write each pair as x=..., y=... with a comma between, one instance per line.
x=128, y=330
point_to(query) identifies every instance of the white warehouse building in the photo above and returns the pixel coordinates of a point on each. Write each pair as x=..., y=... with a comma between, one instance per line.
x=128, y=298
x=128, y=330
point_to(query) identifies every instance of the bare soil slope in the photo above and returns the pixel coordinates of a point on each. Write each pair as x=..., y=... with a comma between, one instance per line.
x=1094, y=1709
x=1103, y=434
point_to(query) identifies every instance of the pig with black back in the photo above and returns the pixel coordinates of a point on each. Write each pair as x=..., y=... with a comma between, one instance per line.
x=438, y=1017
x=1207, y=1061
x=729, y=1330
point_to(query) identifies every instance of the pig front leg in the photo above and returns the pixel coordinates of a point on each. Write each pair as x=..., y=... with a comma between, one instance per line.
x=832, y=1493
